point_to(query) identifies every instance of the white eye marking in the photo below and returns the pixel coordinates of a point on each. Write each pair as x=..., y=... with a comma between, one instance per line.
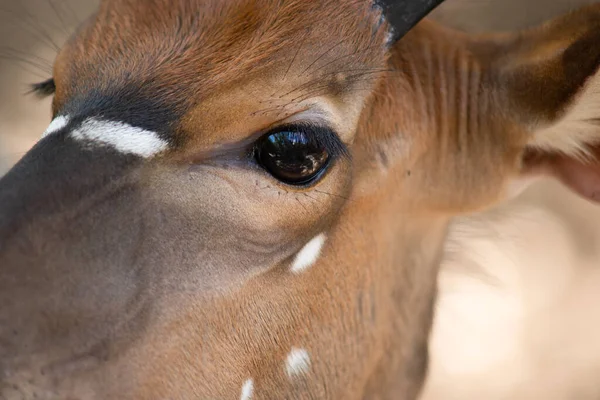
x=309, y=254
x=121, y=136
x=247, y=390
x=56, y=125
x=297, y=362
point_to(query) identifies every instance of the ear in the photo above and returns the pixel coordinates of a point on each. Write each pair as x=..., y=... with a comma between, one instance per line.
x=549, y=80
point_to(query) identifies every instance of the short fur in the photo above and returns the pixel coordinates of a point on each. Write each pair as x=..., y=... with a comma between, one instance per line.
x=129, y=278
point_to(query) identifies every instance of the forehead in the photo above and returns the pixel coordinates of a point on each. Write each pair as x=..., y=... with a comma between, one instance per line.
x=208, y=43
x=177, y=55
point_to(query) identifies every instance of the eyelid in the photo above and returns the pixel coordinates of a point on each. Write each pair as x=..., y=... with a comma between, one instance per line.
x=312, y=116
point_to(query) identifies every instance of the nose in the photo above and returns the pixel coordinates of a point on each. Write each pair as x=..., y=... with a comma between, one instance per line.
x=65, y=276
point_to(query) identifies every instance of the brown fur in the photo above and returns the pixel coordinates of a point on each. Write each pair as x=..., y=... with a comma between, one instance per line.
x=169, y=278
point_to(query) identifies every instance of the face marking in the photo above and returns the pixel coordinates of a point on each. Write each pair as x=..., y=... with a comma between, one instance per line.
x=56, y=125
x=389, y=37
x=309, y=254
x=297, y=362
x=247, y=390
x=121, y=136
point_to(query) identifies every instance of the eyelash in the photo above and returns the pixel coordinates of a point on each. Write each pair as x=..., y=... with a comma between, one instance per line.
x=44, y=89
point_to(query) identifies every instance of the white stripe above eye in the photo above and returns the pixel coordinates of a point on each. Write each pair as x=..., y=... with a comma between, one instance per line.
x=56, y=125
x=120, y=136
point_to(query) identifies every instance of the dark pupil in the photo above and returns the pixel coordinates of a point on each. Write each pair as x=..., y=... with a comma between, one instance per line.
x=292, y=157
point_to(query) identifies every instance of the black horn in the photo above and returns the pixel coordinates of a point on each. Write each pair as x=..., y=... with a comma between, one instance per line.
x=403, y=15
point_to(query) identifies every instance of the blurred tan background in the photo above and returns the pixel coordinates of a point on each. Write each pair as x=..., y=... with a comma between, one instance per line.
x=519, y=307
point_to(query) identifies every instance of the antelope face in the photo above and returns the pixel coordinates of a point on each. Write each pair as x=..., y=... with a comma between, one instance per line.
x=195, y=146
x=248, y=198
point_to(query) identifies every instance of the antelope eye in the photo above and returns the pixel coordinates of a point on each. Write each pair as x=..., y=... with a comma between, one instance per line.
x=292, y=156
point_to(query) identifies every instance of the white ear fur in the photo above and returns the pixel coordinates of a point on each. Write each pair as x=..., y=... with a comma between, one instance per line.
x=578, y=128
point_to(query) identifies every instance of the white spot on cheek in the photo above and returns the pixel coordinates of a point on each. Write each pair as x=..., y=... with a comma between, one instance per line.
x=247, y=390
x=122, y=137
x=309, y=254
x=297, y=362
x=56, y=125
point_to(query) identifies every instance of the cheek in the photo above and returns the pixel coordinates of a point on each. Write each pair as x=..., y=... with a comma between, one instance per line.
x=227, y=225
x=253, y=202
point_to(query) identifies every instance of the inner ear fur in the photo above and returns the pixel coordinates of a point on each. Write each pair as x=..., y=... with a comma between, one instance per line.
x=549, y=79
